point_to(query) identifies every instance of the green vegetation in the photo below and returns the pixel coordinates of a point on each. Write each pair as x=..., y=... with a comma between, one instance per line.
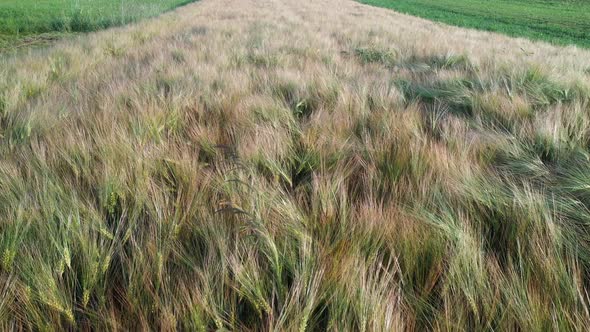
x=556, y=21
x=36, y=21
x=38, y=16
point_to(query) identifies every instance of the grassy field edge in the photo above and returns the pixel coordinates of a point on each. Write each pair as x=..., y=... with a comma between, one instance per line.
x=26, y=27
x=480, y=21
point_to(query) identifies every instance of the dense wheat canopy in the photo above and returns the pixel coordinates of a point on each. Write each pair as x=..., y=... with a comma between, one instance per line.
x=276, y=165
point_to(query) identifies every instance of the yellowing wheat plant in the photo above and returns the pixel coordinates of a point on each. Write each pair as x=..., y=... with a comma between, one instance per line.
x=277, y=165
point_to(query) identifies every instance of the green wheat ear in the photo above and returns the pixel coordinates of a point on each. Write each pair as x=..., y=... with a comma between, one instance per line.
x=112, y=202
x=67, y=258
x=8, y=258
x=303, y=325
x=61, y=266
x=69, y=315
x=85, y=297
x=218, y=324
x=106, y=264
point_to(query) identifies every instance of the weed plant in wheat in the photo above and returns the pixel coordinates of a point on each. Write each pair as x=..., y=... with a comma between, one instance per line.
x=270, y=165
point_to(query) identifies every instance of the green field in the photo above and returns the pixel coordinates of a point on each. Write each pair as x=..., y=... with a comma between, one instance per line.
x=559, y=22
x=27, y=21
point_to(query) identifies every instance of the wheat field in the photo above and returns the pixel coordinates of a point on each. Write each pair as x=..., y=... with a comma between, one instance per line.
x=276, y=165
